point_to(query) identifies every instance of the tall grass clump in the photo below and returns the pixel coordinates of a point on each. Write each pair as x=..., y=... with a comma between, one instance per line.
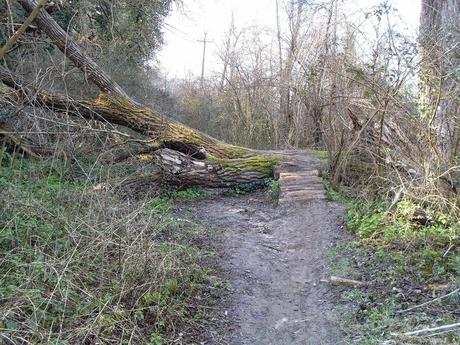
x=84, y=267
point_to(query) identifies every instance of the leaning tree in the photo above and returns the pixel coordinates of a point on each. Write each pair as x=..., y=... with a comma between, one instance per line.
x=185, y=156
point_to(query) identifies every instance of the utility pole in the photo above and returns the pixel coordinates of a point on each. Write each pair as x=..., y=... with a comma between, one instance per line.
x=204, y=41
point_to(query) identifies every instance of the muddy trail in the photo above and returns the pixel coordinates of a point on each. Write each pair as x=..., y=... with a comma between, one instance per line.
x=274, y=258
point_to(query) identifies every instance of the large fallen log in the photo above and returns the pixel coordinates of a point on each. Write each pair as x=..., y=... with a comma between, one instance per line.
x=178, y=167
x=192, y=157
x=185, y=160
x=116, y=110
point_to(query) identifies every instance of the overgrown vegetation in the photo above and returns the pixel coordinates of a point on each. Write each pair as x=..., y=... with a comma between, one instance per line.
x=408, y=256
x=273, y=190
x=191, y=193
x=80, y=265
x=85, y=267
x=120, y=35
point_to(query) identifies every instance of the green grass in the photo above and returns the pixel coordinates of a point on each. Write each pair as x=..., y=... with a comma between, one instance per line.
x=331, y=194
x=191, y=193
x=273, y=190
x=424, y=246
x=403, y=261
x=323, y=154
x=77, y=266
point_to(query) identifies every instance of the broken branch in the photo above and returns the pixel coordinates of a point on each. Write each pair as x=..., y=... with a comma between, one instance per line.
x=30, y=19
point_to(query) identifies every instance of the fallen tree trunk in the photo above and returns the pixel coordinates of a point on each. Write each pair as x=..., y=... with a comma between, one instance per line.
x=184, y=160
x=115, y=106
x=179, y=168
x=187, y=156
x=73, y=52
x=116, y=110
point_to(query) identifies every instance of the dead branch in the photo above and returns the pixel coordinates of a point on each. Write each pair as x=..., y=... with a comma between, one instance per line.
x=343, y=281
x=428, y=331
x=33, y=14
x=429, y=302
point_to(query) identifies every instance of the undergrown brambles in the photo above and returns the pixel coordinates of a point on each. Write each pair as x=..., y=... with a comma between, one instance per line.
x=80, y=266
x=408, y=256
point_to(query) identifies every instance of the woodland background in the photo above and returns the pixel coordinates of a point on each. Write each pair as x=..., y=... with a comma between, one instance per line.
x=383, y=107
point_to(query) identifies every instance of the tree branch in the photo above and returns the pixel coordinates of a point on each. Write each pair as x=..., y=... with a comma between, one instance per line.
x=9, y=44
x=70, y=49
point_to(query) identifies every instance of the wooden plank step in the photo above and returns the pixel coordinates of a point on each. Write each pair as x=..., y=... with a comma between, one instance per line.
x=304, y=181
x=303, y=173
x=289, y=176
x=300, y=182
x=299, y=179
x=302, y=192
x=306, y=194
x=288, y=168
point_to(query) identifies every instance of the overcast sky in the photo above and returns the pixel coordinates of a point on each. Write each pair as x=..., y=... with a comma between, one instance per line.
x=182, y=53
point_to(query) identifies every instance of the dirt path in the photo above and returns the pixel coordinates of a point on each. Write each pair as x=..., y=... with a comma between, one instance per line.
x=274, y=259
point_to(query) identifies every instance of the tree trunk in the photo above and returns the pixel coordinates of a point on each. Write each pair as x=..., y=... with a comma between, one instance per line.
x=178, y=168
x=70, y=49
x=193, y=157
x=440, y=58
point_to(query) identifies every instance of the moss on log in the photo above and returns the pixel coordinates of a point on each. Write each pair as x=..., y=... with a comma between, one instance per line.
x=174, y=146
x=164, y=131
x=184, y=153
x=182, y=170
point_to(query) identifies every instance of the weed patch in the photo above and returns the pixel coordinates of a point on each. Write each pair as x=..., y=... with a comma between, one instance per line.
x=191, y=193
x=245, y=188
x=409, y=256
x=80, y=267
x=331, y=194
x=273, y=190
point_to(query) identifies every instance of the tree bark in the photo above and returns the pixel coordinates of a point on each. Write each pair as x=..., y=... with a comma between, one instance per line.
x=180, y=158
x=178, y=168
x=439, y=50
x=164, y=132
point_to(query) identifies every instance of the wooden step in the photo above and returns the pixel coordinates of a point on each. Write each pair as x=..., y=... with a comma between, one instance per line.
x=300, y=177
x=299, y=199
x=296, y=187
x=285, y=174
x=299, y=181
x=306, y=184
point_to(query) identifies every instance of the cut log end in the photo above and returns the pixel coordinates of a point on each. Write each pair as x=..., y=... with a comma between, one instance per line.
x=183, y=170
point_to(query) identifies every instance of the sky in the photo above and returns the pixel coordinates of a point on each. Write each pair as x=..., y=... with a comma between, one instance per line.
x=181, y=55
